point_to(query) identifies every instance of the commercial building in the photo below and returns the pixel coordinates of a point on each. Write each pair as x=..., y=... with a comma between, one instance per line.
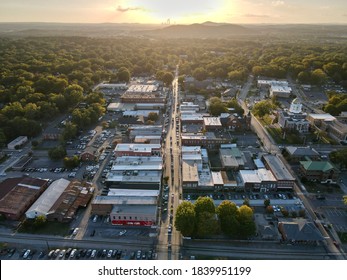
x=134, y=149
x=190, y=175
x=139, y=113
x=45, y=202
x=128, y=207
x=329, y=124
x=277, y=88
x=120, y=86
x=17, y=143
x=148, y=139
x=321, y=171
x=207, y=140
x=231, y=158
x=134, y=179
x=189, y=106
x=285, y=180
x=75, y=196
x=18, y=194
x=280, y=91
x=143, y=93
x=212, y=123
x=301, y=153
x=257, y=180
x=137, y=163
x=145, y=130
x=189, y=118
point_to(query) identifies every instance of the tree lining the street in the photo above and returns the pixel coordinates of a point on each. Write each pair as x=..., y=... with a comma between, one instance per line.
x=202, y=219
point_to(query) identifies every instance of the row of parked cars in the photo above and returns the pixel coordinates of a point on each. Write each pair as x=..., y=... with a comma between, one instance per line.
x=73, y=253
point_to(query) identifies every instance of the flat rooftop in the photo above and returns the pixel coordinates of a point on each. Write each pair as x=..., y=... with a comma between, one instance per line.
x=277, y=88
x=205, y=178
x=134, y=209
x=126, y=163
x=135, y=147
x=133, y=193
x=138, y=113
x=278, y=169
x=141, y=88
x=217, y=178
x=191, y=149
x=212, y=121
x=323, y=117
x=131, y=176
x=189, y=172
x=121, y=200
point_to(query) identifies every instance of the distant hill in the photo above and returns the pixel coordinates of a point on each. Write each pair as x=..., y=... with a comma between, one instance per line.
x=203, y=30
x=71, y=29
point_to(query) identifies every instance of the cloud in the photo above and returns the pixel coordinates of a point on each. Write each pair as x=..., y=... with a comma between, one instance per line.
x=128, y=9
x=277, y=3
x=255, y=16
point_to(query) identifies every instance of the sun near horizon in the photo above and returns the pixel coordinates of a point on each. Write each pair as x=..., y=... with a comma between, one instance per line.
x=174, y=11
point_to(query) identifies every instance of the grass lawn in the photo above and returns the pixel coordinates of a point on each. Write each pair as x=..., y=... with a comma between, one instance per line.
x=342, y=236
x=49, y=228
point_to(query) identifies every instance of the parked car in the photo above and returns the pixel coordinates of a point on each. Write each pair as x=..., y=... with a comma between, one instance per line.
x=109, y=253
x=26, y=254
x=93, y=254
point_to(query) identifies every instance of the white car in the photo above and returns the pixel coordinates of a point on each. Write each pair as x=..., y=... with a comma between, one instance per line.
x=26, y=254
x=122, y=232
x=75, y=231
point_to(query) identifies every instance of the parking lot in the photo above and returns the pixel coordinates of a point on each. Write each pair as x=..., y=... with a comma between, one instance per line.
x=337, y=217
x=75, y=254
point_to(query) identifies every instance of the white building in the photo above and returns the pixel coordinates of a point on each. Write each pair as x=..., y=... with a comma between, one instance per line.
x=45, y=202
x=19, y=141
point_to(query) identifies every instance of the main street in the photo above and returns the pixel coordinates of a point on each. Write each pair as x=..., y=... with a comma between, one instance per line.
x=169, y=240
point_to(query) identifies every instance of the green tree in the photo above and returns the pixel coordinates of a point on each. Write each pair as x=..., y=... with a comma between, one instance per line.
x=247, y=226
x=204, y=204
x=73, y=94
x=39, y=221
x=168, y=78
x=262, y=108
x=284, y=212
x=227, y=214
x=185, y=218
x=152, y=116
x=70, y=131
x=123, y=75
x=318, y=76
x=34, y=143
x=207, y=224
x=294, y=214
x=216, y=106
x=71, y=162
x=200, y=74
x=266, y=202
x=2, y=138
x=56, y=153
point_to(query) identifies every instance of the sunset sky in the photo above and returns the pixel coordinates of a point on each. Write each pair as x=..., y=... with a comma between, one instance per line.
x=178, y=11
